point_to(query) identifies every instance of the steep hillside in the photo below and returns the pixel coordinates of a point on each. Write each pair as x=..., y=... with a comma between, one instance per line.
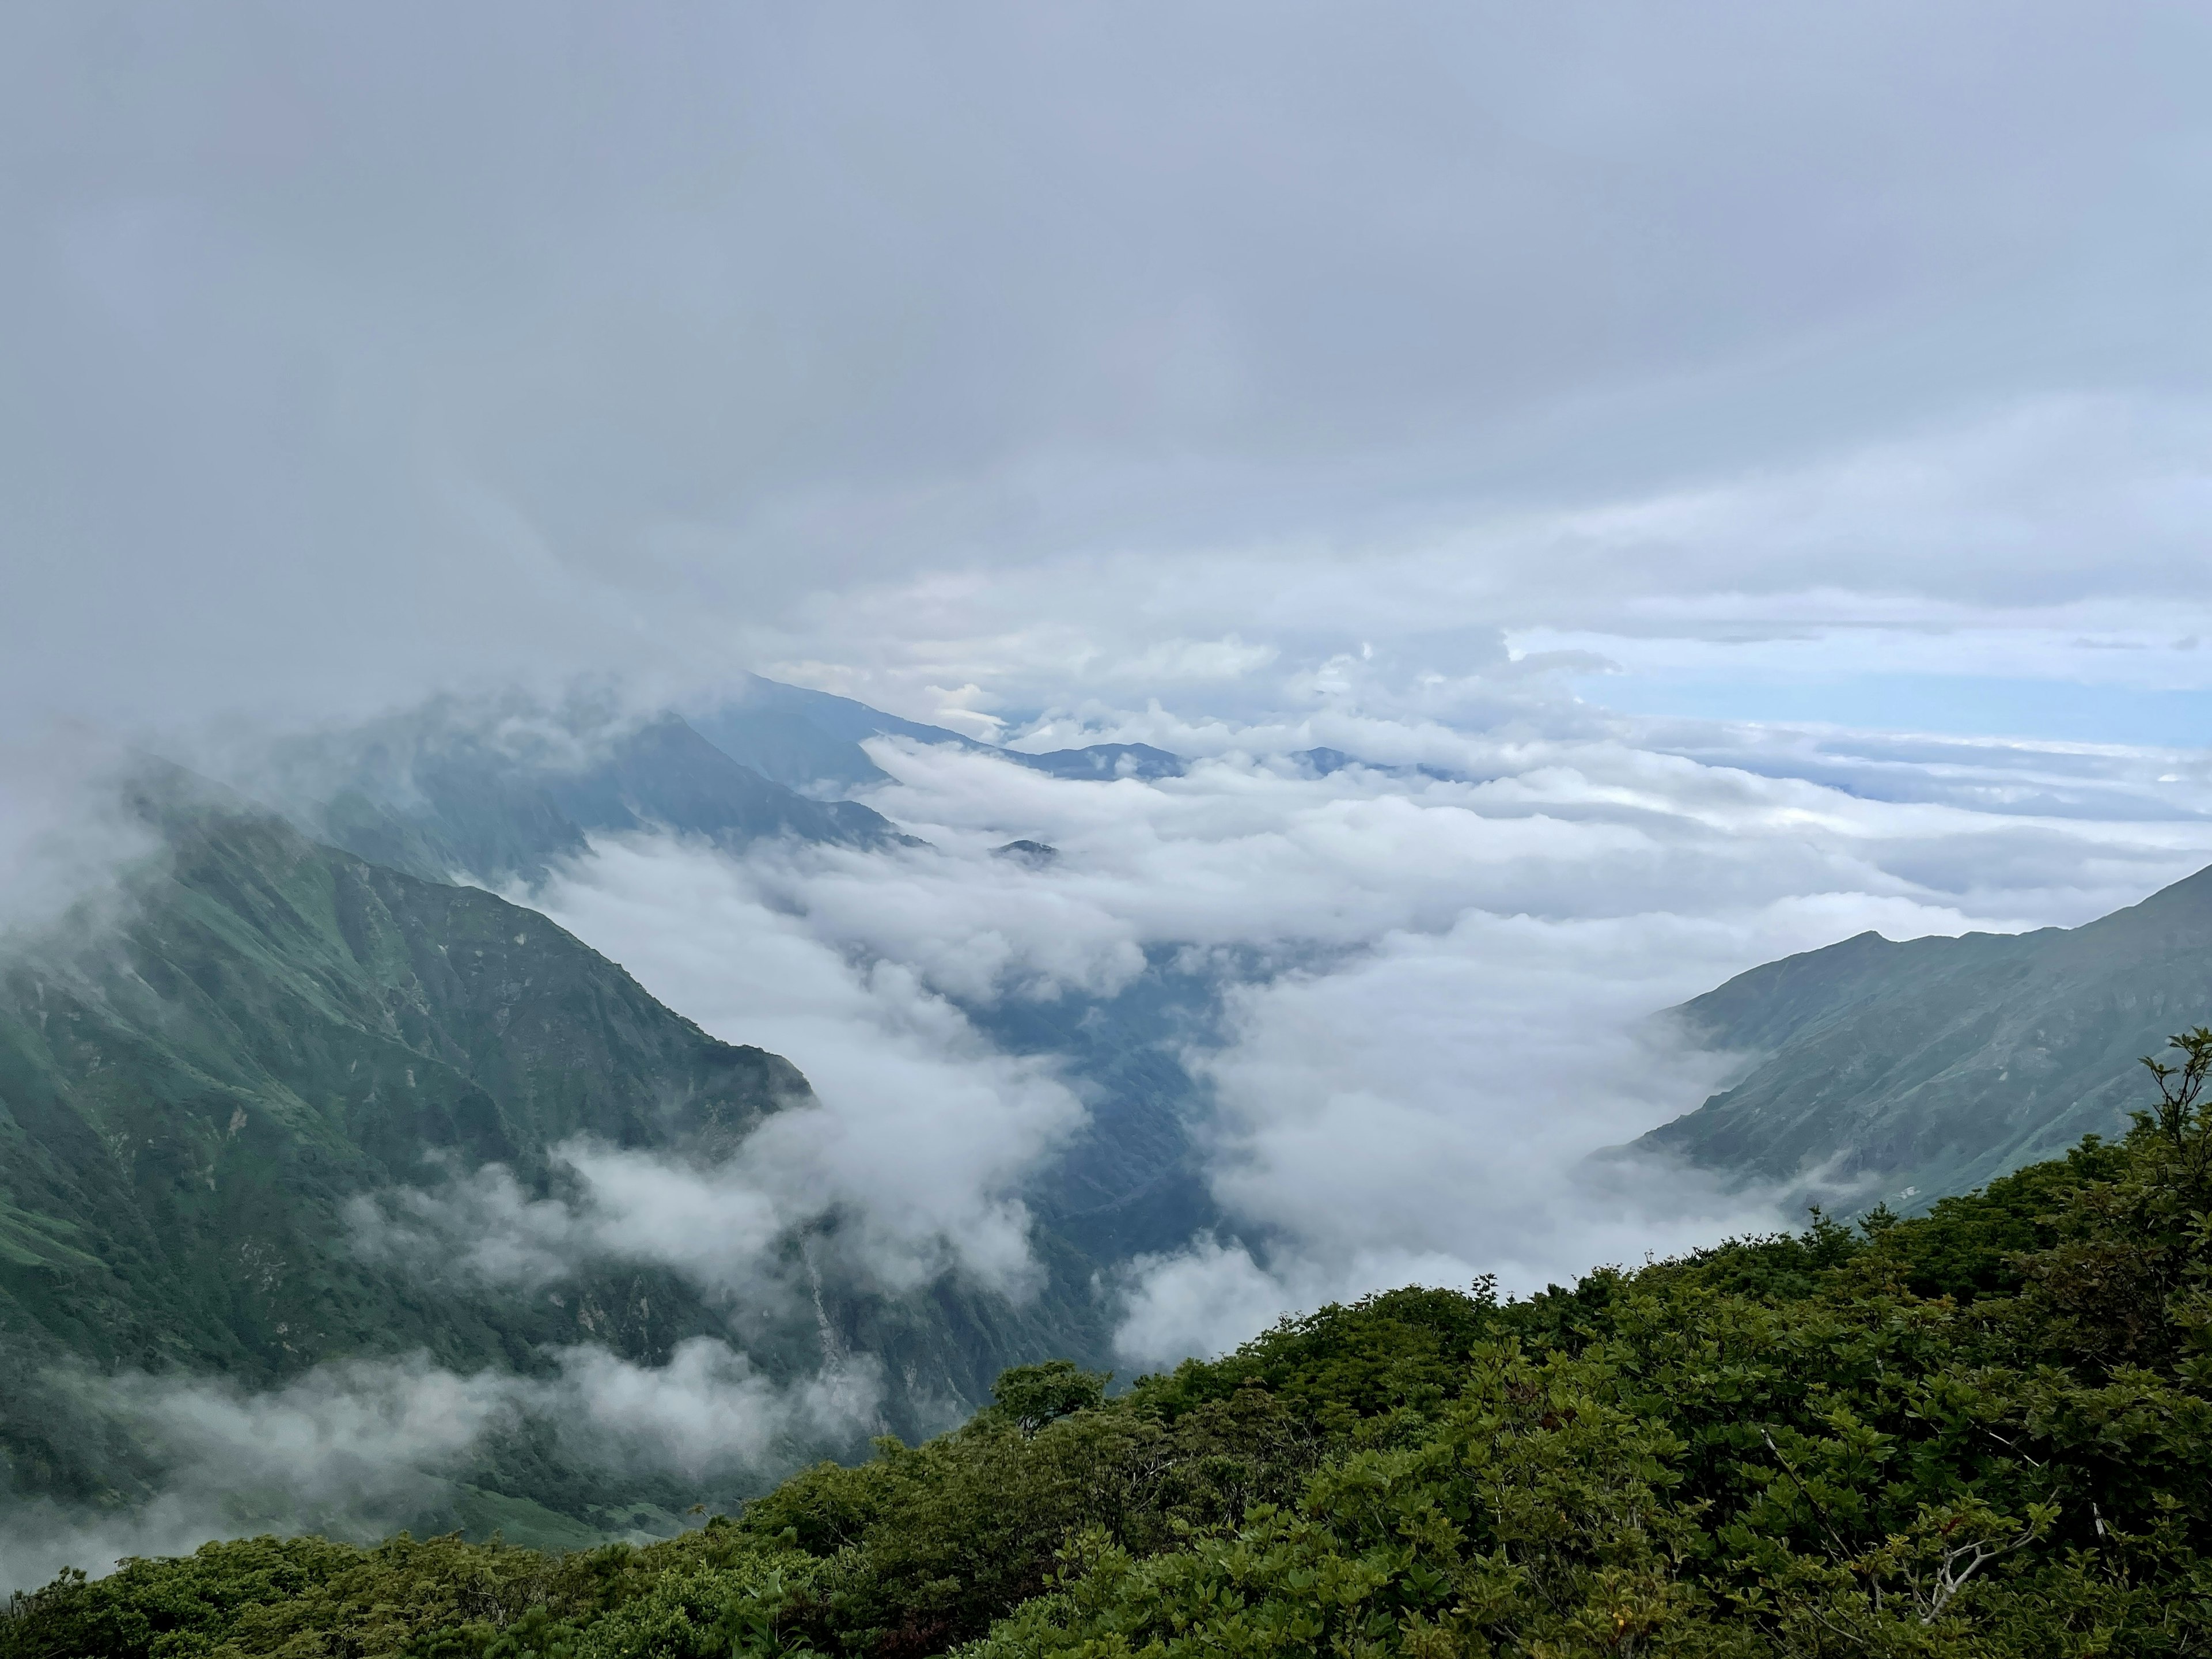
x=189, y=1096
x=1902, y=1072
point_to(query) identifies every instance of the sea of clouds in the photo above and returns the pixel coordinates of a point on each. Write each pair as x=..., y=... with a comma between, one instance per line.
x=1441, y=970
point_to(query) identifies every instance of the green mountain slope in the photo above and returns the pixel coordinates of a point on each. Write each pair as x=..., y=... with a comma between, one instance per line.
x=1902, y=1072
x=190, y=1095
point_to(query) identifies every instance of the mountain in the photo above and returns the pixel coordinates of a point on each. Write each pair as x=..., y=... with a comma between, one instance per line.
x=193, y=1091
x=1132, y=1180
x=1327, y=762
x=285, y=1016
x=1902, y=1072
x=811, y=741
x=503, y=794
x=1104, y=760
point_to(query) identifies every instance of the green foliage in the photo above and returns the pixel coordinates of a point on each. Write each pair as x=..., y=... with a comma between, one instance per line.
x=1985, y=1431
x=1398, y=1351
x=1030, y=1396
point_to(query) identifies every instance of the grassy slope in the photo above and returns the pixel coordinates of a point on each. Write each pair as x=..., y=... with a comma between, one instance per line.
x=1938, y=1064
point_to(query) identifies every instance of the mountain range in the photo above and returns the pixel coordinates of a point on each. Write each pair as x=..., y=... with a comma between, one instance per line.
x=302, y=1000
x=190, y=1096
x=279, y=1014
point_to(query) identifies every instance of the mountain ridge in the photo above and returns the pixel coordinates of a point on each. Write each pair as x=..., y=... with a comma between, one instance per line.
x=1901, y=1071
x=271, y=1029
x=436, y=797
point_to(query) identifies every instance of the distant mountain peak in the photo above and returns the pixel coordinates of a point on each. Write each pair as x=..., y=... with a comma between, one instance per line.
x=1104, y=760
x=437, y=793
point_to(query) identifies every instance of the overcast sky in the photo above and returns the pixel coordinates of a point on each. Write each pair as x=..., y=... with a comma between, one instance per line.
x=1808, y=362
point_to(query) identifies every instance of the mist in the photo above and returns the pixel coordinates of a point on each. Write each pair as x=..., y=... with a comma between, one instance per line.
x=65, y=836
x=1440, y=986
x=357, y=1448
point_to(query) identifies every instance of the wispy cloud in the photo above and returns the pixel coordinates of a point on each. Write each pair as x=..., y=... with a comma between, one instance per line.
x=1440, y=965
x=359, y=1447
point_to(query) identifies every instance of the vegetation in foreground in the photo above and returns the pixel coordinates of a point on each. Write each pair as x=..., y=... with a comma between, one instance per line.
x=1984, y=1431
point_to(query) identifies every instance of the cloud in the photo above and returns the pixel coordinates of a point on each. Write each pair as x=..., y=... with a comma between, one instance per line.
x=357, y=1448
x=65, y=834
x=1321, y=381
x=1197, y=1300
x=627, y=1205
x=352, y=357
x=2020, y=543
x=704, y=1413
x=1439, y=966
x=922, y=1134
x=1426, y=1111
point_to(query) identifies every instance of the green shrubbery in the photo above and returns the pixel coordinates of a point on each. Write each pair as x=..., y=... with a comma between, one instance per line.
x=1985, y=1431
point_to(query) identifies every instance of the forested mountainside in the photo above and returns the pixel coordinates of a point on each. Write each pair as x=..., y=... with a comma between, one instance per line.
x=193, y=1091
x=1900, y=1072
x=1984, y=1433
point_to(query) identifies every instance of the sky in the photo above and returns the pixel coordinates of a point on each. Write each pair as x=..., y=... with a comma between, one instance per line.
x=1756, y=453
x=1767, y=363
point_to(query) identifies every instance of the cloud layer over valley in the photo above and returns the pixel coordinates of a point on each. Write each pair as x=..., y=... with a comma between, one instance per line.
x=1436, y=982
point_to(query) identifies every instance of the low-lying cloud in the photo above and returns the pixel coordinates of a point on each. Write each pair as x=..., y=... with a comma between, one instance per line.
x=922, y=1133
x=1439, y=965
x=711, y=1224
x=65, y=835
x=357, y=1448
